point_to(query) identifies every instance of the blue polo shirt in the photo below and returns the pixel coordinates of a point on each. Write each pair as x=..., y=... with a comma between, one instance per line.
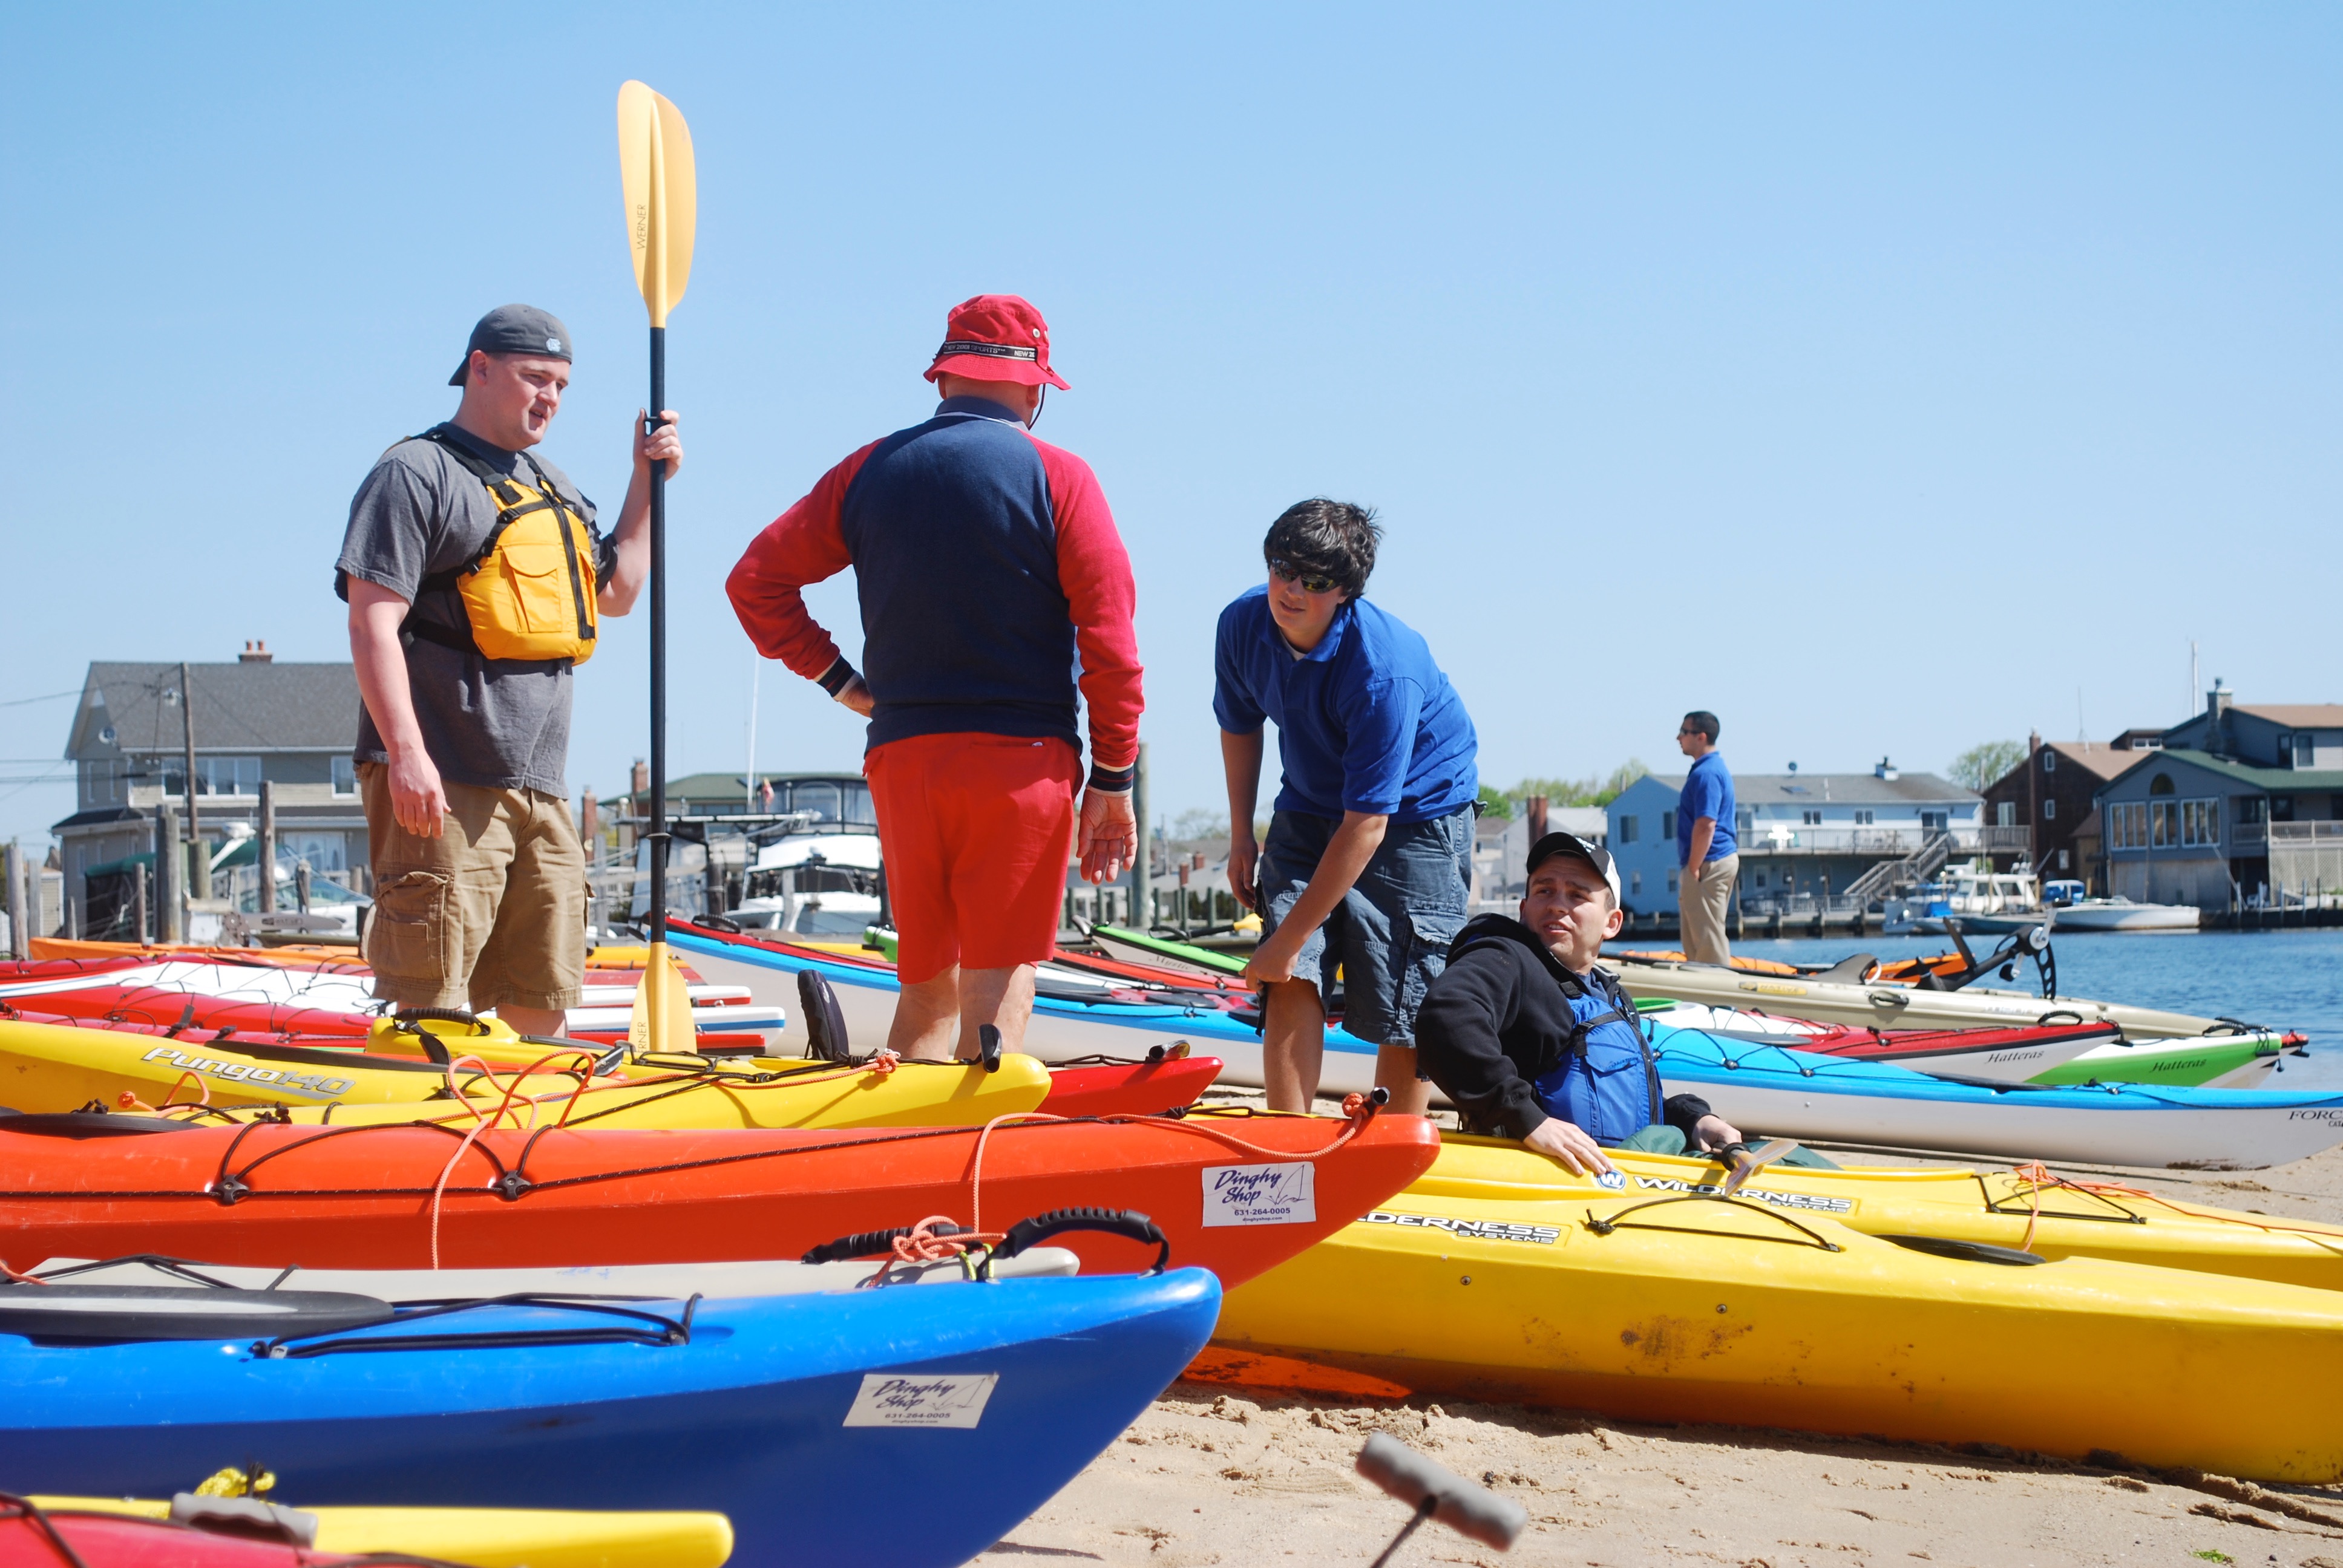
x=1707, y=792
x=1365, y=720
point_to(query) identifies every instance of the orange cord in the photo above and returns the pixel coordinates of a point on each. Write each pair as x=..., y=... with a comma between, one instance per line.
x=922, y=1245
x=2038, y=1176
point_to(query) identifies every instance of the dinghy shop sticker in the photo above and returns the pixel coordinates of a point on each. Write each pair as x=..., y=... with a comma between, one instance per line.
x=1279, y=1194
x=936, y=1400
x=243, y=1072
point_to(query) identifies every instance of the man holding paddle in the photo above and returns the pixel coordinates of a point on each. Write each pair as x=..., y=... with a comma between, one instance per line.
x=986, y=562
x=476, y=578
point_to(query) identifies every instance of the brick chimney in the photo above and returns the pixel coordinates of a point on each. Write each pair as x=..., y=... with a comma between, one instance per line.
x=589, y=816
x=642, y=777
x=256, y=652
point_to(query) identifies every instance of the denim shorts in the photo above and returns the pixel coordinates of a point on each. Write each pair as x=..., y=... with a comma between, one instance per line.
x=1389, y=936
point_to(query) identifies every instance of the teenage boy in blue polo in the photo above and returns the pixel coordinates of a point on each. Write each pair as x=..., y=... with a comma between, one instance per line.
x=1369, y=864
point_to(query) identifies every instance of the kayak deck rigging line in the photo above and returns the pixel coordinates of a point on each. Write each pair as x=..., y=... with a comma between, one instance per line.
x=1616, y=1221
x=658, y=1330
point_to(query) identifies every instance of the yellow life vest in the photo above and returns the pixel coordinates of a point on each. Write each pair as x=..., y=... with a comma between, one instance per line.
x=529, y=592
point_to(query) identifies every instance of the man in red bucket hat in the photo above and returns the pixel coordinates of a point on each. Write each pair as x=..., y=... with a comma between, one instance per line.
x=985, y=561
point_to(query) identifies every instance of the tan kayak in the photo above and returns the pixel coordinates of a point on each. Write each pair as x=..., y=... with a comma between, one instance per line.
x=1873, y=1004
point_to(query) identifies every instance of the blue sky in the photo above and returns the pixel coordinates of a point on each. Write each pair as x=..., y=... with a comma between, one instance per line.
x=1885, y=379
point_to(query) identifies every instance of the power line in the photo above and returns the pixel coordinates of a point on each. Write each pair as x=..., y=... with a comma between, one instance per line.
x=52, y=696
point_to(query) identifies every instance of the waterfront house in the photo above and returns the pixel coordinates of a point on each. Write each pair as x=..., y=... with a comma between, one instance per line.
x=2034, y=812
x=2238, y=805
x=293, y=725
x=1809, y=840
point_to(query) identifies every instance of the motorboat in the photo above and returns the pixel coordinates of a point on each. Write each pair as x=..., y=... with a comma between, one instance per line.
x=1981, y=899
x=2074, y=910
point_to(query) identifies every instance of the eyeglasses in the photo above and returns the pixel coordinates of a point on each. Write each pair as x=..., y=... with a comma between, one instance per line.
x=1310, y=582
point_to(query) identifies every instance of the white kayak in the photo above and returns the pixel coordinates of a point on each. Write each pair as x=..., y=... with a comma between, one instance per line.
x=1770, y=1090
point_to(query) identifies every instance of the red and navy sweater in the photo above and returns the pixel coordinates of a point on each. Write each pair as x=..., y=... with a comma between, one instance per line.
x=984, y=560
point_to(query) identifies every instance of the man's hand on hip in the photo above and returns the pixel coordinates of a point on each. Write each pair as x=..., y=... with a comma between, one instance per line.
x=1108, y=841
x=1569, y=1143
x=857, y=696
x=1692, y=873
x=416, y=797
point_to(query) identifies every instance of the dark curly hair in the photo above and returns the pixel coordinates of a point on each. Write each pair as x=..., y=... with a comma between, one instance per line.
x=1332, y=538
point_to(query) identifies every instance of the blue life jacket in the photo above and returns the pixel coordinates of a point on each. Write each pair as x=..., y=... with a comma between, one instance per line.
x=1606, y=1083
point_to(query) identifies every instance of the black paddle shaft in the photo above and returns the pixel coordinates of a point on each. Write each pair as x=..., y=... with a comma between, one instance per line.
x=657, y=907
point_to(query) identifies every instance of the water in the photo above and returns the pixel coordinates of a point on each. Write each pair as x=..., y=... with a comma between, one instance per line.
x=2285, y=980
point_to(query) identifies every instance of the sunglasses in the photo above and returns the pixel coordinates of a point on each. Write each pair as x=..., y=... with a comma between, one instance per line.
x=1310, y=581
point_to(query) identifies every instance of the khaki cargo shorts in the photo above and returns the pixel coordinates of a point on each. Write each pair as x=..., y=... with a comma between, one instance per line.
x=492, y=913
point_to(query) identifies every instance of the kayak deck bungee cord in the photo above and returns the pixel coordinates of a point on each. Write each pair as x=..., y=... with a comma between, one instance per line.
x=2027, y=1209
x=1235, y=1191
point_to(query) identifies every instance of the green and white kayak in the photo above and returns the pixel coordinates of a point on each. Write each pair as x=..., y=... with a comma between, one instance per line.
x=1139, y=948
x=2232, y=1058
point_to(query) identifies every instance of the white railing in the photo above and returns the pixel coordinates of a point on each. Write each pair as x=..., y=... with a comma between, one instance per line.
x=1780, y=838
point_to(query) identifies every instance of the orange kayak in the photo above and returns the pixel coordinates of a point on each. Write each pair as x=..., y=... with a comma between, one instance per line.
x=1235, y=1193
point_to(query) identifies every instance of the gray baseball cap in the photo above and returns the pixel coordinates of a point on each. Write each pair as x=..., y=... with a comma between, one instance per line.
x=515, y=330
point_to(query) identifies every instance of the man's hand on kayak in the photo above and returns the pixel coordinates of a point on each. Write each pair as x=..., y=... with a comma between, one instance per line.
x=1569, y=1143
x=1109, y=836
x=1713, y=1132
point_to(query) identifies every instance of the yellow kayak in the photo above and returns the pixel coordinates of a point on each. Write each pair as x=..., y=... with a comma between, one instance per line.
x=47, y=1067
x=490, y=1537
x=1667, y=1306
x=2038, y=1213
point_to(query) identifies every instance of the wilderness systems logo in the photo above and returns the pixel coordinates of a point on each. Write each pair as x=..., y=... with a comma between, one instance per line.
x=244, y=1073
x=1806, y=1201
x=1470, y=1230
x=1281, y=1194
x=941, y=1400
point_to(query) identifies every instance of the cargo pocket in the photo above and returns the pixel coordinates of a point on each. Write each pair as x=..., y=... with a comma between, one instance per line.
x=539, y=582
x=409, y=935
x=1428, y=939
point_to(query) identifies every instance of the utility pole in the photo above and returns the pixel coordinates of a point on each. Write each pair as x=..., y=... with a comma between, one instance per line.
x=1143, y=913
x=267, y=847
x=170, y=876
x=195, y=824
x=19, y=933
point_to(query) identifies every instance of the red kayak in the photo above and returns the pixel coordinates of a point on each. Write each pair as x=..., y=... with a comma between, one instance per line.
x=66, y=1539
x=1236, y=1193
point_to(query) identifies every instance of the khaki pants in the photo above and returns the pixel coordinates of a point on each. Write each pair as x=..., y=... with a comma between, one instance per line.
x=1702, y=905
x=492, y=913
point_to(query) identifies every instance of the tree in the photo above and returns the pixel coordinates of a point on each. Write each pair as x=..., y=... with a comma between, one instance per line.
x=1494, y=803
x=1591, y=791
x=1981, y=764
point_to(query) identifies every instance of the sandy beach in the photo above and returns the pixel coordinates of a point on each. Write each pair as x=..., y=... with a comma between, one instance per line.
x=1214, y=1476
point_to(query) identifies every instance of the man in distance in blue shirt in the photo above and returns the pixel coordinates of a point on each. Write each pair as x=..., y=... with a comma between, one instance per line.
x=1707, y=849
x=1368, y=866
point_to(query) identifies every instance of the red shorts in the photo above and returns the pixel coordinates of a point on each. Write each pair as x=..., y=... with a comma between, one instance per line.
x=975, y=832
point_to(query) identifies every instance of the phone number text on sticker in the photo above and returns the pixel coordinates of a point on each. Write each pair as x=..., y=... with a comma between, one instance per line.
x=1285, y=1193
x=1473, y=1230
x=939, y=1400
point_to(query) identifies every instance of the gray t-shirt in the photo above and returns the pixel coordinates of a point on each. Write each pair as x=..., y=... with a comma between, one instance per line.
x=503, y=724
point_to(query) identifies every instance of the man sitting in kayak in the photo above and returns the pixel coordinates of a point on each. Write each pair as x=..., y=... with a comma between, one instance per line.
x=1529, y=1039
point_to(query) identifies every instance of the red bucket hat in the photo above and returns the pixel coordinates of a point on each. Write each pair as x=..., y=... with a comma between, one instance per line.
x=996, y=338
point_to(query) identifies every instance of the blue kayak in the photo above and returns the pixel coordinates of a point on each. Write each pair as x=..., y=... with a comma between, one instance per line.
x=890, y=1427
x=1076, y=1012
x=1776, y=1092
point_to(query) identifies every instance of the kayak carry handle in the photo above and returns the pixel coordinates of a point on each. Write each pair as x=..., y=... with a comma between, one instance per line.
x=870, y=1243
x=988, y=1047
x=1040, y=1228
x=1473, y=1512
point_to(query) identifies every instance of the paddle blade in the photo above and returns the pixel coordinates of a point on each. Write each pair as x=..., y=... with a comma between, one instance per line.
x=662, y=196
x=660, y=1020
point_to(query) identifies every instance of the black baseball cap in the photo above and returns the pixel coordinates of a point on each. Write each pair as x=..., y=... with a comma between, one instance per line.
x=1571, y=844
x=515, y=329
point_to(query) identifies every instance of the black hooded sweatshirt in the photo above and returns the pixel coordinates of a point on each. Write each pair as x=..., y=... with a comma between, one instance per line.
x=1497, y=1020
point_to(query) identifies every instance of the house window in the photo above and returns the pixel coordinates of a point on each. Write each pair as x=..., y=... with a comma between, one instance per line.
x=2128, y=826
x=2050, y=810
x=346, y=776
x=2305, y=752
x=1934, y=821
x=2163, y=825
x=1628, y=829
x=1811, y=816
x=1667, y=824
x=214, y=776
x=2285, y=749
x=2004, y=815
x=1863, y=816
x=2062, y=860
x=2201, y=823
x=1761, y=878
x=1635, y=882
x=2049, y=761
x=1672, y=881
x=2252, y=808
x=2160, y=785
